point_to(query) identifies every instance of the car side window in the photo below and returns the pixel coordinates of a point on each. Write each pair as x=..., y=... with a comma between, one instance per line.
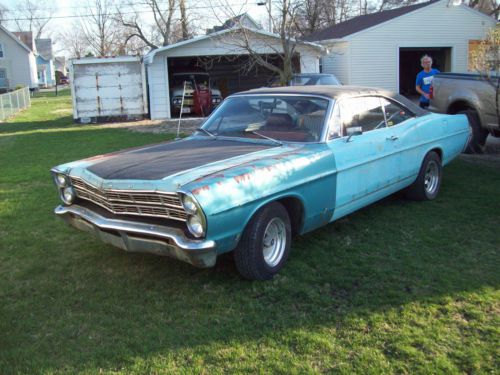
x=362, y=113
x=395, y=113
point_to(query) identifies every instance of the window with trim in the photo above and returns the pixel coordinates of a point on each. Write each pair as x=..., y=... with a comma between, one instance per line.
x=1, y=51
x=395, y=113
x=362, y=113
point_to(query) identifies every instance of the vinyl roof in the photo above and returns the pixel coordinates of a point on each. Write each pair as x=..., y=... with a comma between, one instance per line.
x=335, y=92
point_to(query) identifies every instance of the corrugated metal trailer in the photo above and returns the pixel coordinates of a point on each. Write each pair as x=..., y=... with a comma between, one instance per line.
x=107, y=89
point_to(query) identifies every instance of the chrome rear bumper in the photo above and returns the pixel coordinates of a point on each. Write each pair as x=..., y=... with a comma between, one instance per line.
x=141, y=237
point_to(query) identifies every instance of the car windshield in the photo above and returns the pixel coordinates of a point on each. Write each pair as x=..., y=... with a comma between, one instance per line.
x=288, y=118
x=190, y=79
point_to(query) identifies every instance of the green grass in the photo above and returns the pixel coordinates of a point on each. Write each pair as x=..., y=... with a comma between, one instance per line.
x=398, y=287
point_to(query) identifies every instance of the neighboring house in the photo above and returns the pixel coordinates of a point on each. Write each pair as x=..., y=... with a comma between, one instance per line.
x=242, y=20
x=60, y=65
x=384, y=49
x=17, y=62
x=219, y=55
x=45, y=63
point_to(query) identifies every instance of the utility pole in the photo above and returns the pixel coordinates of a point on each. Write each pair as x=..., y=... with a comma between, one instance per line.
x=260, y=3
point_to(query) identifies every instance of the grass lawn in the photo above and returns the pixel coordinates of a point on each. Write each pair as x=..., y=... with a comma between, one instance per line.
x=398, y=287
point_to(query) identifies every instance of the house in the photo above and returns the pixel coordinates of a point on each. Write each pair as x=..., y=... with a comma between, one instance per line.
x=222, y=56
x=384, y=49
x=17, y=62
x=244, y=20
x=60, y=67
x=45, y=63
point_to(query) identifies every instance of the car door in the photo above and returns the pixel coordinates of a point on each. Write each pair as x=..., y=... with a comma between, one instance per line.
x=403, y=135
x=366, y=158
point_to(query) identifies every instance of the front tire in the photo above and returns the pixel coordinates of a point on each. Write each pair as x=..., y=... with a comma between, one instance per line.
x=265, y=244
x=479, y=135
x=426, y=186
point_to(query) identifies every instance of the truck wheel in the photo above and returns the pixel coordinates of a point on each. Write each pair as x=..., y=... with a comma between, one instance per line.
x=265, y=244
x=426, y=186
x=479, y=135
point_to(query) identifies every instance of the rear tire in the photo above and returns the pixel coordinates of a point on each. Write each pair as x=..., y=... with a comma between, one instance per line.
x=426, y=186
x=479, y=135
x=265, y=244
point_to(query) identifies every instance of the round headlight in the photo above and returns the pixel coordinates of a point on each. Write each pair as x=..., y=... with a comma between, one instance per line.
x=189, y=204
x=68, y=195
x=195, y=226
x=62, y=180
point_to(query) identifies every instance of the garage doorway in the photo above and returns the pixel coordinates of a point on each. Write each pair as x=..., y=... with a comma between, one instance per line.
x=409, y=65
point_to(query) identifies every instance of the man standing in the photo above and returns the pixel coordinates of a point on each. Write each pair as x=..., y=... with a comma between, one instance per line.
x=424, y=80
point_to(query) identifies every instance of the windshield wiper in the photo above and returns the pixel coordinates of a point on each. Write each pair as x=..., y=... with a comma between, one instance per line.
x=266, y=137
x=206, y=132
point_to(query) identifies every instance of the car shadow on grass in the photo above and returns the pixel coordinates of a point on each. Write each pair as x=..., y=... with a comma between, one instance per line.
x=71, y=303
x=105, y=309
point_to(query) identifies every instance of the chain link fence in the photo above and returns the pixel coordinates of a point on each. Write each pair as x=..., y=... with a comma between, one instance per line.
x=14, y=101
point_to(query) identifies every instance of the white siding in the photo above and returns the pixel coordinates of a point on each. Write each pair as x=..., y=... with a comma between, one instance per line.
x=374, y=52
x=19, y=64
x=337, y=62
x=309, y=64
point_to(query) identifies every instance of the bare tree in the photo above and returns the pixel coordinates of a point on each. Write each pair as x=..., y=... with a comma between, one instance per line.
x=3, y=13
x=391, y=4
x=33, y=15
x=100, y=28
x=137, y=27
x=262, y=48
x=489, y=7
x=74, y=41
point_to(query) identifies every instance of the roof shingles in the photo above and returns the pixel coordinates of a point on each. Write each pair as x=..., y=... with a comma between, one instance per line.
x=362, y=22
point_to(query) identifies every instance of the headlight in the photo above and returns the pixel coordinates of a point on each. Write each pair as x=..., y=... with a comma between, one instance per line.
x=195, y=226
x=189, y=204
x=68, y=195
x=61, y=180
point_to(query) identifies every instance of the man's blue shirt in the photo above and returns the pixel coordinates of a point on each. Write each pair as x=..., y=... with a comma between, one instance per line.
x=424, y=80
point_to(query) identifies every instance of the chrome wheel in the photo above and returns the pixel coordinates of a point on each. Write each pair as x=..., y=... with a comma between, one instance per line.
x=431, y=179
x=274, y=242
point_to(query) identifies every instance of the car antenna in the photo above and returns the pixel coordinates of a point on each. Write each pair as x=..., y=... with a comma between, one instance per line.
x=180, y=114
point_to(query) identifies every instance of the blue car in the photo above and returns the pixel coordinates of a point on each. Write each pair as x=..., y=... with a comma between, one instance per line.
x=266, y=165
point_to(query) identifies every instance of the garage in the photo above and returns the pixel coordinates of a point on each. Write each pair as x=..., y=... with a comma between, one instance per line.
x=229, y=67
x=383, y=49
x=409, y=65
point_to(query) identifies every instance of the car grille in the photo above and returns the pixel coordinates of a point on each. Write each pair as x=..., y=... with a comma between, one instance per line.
x=120, y=202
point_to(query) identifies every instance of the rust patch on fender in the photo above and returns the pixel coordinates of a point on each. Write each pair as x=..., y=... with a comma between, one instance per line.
x=242, y=178
x=200, y=189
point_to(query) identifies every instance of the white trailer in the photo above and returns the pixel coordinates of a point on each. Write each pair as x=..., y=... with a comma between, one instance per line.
x=106, y=89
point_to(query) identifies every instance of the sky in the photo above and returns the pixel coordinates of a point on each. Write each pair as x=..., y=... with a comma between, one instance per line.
x=66, y=12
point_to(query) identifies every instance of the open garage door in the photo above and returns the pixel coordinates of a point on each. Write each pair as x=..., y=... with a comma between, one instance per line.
x=227, y=74
x=409, y=65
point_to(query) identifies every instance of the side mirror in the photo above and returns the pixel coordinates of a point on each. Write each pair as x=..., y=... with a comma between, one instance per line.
x=355, y=130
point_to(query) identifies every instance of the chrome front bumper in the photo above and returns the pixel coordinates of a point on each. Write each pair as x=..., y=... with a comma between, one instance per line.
x=141, y=237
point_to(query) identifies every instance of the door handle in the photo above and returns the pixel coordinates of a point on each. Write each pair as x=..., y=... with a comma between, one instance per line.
x=392, y=138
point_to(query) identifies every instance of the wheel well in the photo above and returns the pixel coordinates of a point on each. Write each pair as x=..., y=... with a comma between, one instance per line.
x=295, y=210
x=439, y=152
x=459, y=106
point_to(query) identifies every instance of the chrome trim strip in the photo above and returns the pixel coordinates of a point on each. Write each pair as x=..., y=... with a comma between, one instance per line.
x=159, y=231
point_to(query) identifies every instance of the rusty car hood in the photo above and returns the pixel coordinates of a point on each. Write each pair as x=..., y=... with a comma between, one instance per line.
x=192, y=157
